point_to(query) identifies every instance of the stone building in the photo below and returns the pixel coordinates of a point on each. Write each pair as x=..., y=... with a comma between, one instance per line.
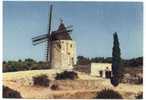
x=63, y=49
x=101, y=70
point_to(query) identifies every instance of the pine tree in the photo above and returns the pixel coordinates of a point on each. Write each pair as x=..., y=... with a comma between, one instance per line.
x=116, y=61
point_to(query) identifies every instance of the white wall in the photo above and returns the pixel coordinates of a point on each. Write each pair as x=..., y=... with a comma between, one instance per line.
x=62, y=57
x=97, y=67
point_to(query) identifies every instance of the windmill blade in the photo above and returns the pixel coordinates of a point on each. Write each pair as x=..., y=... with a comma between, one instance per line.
x=50, y=18
x=39, y=42
x=37, y=37
x=48, y=55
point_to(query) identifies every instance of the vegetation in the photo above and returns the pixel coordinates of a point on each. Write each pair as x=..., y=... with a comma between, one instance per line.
x=134, y=62
x=108, y=94
x=10, y=93
x=27, y=64
x=54, y=87
x=66, y=75
x=41, y=80
x=83, y=60
x=139, y=96
x=30, y=64
x=117, y=72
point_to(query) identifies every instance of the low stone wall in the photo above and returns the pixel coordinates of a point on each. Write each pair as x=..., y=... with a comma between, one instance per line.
x=82, y=84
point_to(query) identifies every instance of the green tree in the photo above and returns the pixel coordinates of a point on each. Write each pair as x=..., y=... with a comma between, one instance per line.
x=29, y=63
x=83, y=60
x=116, y=61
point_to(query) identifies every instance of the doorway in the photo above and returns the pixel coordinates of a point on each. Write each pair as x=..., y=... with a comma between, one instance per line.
x=101, y=73
x=107, y=74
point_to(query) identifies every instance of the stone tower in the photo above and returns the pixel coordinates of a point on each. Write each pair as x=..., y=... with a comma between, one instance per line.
x=63, y=49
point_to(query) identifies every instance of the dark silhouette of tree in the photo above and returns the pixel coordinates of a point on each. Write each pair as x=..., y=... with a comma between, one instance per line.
x=108, y=60
x=134, y=62
x=83, y=60
x=98, y=59
x=19, y=60
x=116, y=61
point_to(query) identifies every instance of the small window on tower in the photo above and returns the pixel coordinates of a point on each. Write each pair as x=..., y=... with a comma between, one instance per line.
x=71, y=45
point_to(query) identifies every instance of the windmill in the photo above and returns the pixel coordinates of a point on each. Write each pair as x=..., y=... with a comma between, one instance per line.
x=48, y=37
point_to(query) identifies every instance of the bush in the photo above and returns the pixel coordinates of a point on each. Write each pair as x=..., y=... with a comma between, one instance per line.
x=55, y=87
x=27, y=64
x=140, y=80
x=108, y=94
x=41, y=80
x=9, y=93
x=114, y=81
x=139, y=96
x=66, y=75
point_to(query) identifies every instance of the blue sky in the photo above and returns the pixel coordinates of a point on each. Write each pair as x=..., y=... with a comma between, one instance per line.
x=93, y=26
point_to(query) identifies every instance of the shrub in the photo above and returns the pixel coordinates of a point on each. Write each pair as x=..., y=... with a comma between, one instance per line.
x=140, y=80
x=139, y=96
x=108, y=94
x=10, y=93
x=27, y=64
x=55, y=87
x=66, y=75
x=114, y=81
x=41, y=80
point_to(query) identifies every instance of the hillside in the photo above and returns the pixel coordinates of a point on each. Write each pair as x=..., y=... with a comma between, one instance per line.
x=85, y=87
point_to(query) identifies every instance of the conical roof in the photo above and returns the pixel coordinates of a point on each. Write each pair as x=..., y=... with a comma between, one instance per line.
x=61, y=33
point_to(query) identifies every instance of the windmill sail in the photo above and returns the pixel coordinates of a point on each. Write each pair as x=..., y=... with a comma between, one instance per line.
x=61, y=33
x=48, y=56
x=45, y=36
